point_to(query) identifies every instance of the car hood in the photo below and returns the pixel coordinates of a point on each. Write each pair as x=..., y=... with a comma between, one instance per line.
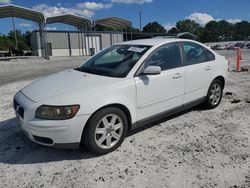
x=64, y=82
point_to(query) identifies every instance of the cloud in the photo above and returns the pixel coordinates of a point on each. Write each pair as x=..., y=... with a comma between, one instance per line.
x=5, y=1
x=51, y=28
x=233, y=21
x=49, y=11
x=200, y=18
x=24, y=24
x=132, y=1
x=94, y=6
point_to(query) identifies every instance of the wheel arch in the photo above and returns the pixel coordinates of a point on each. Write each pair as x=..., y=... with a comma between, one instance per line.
x=222, y=79
x=117, y=105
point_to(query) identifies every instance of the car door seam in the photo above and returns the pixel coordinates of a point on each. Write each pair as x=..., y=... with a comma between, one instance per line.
x=159, y=101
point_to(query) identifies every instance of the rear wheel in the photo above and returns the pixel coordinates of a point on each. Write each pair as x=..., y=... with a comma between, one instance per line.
x=214, y=94
x=105, y=130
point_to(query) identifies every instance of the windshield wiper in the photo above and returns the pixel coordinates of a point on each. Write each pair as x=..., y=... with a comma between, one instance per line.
x=77, y=69
x=83, y=70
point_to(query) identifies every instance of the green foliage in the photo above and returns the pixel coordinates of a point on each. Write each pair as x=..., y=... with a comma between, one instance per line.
x=103, y=28
x=218, y=31
x=242, y=30
x=8, y=42
x=154, y=27
x=173, y=30
x=214, y=30
x=187, y=26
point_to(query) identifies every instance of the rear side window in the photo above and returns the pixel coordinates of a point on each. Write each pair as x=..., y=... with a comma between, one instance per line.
x=195, y=53
x=167, y=57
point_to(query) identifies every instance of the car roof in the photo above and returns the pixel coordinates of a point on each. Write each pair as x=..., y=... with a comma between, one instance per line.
x=155, y=41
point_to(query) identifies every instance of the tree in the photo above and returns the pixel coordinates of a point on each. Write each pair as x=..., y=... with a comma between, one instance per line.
x=103, y=28
x=218, y=31
x=8, y=42
x=187, y=26
x=27, y=38
x=173, y=30
x=242, y=30
x=154, y=27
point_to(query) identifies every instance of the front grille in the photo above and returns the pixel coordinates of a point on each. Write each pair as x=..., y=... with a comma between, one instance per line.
x=18, y=108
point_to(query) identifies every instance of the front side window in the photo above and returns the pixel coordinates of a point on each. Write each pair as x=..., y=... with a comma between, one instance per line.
x=194, y=53
x=167, y=57
x=115, y=61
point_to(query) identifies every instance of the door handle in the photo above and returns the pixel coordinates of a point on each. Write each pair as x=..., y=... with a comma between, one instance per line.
x=177, y=75
x=208, y=68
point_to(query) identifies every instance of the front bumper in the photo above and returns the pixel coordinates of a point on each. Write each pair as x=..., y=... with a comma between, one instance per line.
x=54, y=133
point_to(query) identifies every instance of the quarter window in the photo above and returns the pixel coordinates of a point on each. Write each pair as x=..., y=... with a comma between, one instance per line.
x=194, y=53
x=167, y=57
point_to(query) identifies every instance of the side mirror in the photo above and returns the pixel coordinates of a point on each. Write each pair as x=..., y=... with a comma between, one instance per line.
x=152, y=70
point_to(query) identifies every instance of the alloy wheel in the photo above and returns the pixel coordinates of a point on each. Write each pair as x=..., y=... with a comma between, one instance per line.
x=108, y=131
x=215, y=94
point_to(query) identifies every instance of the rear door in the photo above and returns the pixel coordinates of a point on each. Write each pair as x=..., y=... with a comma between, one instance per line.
x=199, y=64
x=159, y=93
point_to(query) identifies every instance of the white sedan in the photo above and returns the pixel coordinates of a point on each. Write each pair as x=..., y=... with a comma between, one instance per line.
x=127, y=84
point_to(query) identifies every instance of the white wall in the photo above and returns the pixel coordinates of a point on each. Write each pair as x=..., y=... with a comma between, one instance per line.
x=60, y=52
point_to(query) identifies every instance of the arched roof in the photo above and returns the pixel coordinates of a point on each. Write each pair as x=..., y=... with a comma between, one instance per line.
x=113, y=22
x=21, y=12
x=70, y=19
x=186, y=35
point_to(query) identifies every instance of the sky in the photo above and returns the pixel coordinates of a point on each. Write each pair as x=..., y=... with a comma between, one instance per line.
x=166, y=12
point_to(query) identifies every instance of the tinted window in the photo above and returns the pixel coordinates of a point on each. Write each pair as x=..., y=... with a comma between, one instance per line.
x=195, y=53
x=167, y=57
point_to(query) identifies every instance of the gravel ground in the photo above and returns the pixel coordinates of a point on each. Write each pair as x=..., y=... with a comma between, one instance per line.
x=197, y=148
x=27, y=69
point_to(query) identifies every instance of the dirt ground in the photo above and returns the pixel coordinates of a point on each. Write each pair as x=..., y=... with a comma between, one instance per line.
x=28, y=69
x=197, y=148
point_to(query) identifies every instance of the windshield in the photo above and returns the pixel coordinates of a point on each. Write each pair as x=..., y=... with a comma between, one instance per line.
x=115, y=61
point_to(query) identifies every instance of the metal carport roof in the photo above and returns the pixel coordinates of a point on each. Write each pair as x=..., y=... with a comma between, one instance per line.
x=113, y=22
x=186, y=35
x=70, y=19
x=21, y=12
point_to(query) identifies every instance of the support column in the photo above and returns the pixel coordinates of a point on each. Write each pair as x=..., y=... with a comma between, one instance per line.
x=69, y=44
x=79, y=45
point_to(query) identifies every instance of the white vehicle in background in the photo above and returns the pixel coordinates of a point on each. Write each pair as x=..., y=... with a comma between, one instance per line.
x=221, y=47
x=135, y=82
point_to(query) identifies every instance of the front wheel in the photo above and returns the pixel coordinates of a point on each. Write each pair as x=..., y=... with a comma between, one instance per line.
x=214, y=94
x=105, y=130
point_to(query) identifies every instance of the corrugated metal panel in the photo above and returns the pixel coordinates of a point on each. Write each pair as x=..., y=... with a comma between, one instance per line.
x=75, y=41
x=58, y=40
x=105, y=37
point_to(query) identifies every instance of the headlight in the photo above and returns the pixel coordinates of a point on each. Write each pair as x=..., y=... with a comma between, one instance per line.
x=57, y=112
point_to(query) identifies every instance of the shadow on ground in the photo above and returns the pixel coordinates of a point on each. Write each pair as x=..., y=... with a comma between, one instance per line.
x=16, y=148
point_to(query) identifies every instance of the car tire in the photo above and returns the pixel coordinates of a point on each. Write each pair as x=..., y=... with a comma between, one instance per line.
x=105, y=131
x=214, y=94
